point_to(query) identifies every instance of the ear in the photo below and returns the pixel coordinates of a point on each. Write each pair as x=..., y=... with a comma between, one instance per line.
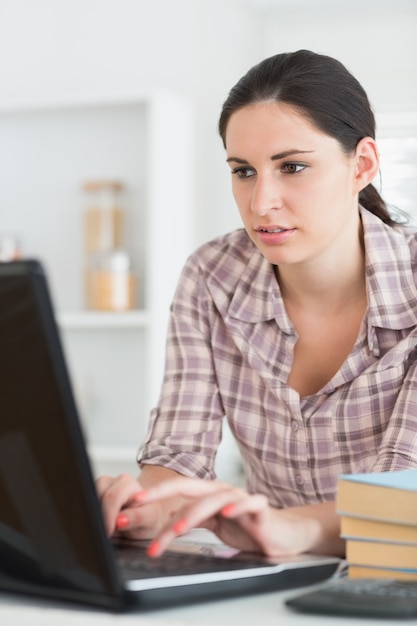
x=367, y=163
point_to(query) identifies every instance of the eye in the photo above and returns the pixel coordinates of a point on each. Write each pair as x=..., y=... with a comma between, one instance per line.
x=243, y=172
x=293, y=168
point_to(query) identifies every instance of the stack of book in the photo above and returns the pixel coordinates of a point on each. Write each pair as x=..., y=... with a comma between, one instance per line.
x=378, y=515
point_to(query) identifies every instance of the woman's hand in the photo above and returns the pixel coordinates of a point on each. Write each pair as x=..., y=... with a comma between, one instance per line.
x=161, y=505
x=122, y=511
x=239, y=519
x=117, y=496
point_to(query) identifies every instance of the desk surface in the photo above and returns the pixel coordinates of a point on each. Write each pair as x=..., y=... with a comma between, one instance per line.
x=264, y=609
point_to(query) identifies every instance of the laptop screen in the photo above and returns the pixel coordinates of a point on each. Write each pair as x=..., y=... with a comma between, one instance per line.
x=51, y=532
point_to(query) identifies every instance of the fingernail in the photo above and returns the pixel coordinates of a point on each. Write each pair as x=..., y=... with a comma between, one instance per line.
x=122, y=521
x=228, y=510
x=141, y=495
x=153, y=549
x=180, y=526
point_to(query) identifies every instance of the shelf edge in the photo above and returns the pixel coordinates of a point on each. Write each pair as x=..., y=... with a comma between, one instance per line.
x=97, y=320
x=112, y=453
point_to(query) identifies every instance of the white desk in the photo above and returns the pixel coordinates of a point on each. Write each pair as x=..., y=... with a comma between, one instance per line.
x=259, y=610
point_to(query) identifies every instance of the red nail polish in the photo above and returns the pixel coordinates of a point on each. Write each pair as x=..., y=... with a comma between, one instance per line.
x=228, y=509
x=180, y=526
x=153, y=549
x=140, y=495
x=122, y=521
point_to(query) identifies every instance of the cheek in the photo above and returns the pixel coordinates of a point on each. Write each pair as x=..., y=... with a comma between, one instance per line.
x=242, y=199
x=324, y=194
x=244, y=216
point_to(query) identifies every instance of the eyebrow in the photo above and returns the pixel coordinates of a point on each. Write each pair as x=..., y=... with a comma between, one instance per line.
x=275, y=157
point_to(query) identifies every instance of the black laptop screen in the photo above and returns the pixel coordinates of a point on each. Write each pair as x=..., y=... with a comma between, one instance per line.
x=48, y=511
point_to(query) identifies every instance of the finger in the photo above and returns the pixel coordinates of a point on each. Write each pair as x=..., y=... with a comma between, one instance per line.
x=139, y=522
x=194, y=515
x=253, y=515
x=117, y=495
x=251, y=504
x=102, y=484
x=123, y=483
x=183, y=487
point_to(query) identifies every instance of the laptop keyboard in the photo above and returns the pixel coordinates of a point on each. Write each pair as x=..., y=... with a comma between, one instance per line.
x=135, y=563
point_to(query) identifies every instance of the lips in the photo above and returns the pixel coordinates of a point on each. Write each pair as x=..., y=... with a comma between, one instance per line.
x=271, y=229
x=274, y=235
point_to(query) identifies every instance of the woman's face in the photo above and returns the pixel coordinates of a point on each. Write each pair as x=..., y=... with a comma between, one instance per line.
x=295, y=188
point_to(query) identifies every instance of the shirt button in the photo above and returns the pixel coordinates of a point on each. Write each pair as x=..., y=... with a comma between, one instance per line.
x=294, y=426
x=299, y=480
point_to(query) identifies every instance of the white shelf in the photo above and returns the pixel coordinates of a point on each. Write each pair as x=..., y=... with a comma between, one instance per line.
x=84, y=100
x=112, y=460
x=49, y=148
x=112, y=453
x=97, y=320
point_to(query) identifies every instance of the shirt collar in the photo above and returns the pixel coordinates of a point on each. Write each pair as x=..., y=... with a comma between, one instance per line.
x=257, y=295
x=390, y=280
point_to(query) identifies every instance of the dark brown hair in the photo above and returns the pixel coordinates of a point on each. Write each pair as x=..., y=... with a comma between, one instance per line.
x=323, y=90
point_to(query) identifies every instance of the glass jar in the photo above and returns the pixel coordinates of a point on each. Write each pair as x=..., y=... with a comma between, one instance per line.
x=110, y=281
x=9, y=247
x=103, y=215
x=109, y=277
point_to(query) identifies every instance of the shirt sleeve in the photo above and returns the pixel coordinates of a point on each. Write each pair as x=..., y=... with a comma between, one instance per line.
x=185, y=427
x=398, y=449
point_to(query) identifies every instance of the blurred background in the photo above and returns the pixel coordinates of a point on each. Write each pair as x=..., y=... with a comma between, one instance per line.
x=200, y=48
x=130, y=91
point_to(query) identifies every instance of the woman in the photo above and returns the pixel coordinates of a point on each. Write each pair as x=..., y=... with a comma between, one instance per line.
x=301, y=329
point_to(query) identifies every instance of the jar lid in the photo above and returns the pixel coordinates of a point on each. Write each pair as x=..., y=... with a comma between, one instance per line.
x=119, y=261
x=112, y=261
x=9, y=247
x=98, y=185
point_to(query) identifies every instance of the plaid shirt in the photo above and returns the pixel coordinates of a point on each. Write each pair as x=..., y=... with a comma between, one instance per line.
x=229, y=353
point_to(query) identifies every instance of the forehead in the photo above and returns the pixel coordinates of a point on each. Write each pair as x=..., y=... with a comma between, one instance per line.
x=266, y=122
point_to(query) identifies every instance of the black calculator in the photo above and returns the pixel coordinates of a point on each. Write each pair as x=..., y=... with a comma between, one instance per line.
x=361, y=597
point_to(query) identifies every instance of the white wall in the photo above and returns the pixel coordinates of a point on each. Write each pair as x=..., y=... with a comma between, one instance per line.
x=195, y=47
x=375, y=39
x=200, y=48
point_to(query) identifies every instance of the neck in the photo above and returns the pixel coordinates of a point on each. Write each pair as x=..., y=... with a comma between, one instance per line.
x=328, y=283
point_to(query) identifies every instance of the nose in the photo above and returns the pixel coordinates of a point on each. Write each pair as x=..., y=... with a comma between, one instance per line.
x=266, y=195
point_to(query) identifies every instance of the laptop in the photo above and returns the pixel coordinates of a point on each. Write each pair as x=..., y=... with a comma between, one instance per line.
x=53, y=542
